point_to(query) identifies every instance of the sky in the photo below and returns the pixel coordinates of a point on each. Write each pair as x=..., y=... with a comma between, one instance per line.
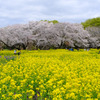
x=23, y=11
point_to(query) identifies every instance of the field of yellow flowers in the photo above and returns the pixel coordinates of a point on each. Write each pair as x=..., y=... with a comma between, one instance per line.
x=50, y=75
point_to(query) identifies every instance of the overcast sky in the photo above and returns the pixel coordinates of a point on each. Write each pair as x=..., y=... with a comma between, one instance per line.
x=23, y=11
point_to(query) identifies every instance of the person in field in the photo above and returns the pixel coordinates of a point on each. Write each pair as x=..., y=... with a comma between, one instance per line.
x=19, y=53
x=15, y=51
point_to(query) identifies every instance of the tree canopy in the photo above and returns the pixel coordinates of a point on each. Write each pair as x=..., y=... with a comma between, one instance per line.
x=94, y=22
x=52, y=21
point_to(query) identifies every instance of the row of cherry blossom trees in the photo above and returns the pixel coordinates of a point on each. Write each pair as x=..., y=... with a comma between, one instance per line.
x=44, y=35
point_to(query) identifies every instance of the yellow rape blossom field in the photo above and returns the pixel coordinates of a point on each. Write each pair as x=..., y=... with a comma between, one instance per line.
x=50, y=75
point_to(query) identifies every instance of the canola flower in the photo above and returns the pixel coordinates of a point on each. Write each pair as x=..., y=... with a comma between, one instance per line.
x=50, y=75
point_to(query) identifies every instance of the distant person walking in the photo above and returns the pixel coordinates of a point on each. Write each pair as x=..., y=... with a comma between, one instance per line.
x=15, y=51
x=71, y=49
x=78, y=49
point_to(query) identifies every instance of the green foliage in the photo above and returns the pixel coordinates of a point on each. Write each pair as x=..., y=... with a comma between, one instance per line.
x=52, y=21
x=94, y=22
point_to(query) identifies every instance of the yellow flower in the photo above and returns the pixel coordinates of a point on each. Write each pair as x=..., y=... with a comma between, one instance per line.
x=38, y=94
x=96, y=99
x=18, y=87
x=30, y=97
x=89, y=99
x=37, y=88
x=55, y=98
x=56, y=73
x=98, y=95
x=0, y=90
x=10, y=93
x=31, y=87
x=17, y=96
x=3, y=96
x=32, y=81
x=31, y=92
